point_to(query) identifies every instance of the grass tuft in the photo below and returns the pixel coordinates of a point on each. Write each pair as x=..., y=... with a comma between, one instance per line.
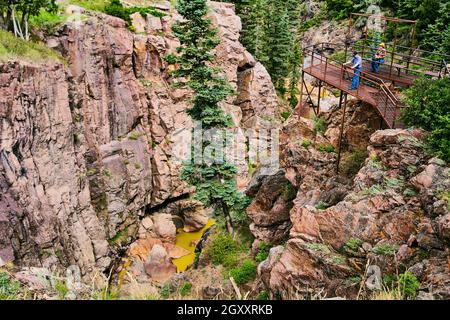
x=13, y=48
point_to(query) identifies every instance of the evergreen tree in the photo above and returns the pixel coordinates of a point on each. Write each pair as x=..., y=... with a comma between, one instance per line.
x=294, y=75
x=215, y=183
x=253, y=28
x=278, y=46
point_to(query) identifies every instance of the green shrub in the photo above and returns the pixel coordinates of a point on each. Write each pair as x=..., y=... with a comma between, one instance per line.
x=222, y=250
x=186, y=289
x=316, y=20
x=9, y=288
x=263, y=295
x=326, y=148
x=117, y=9
x=352, y=164
x=285, y=115
x=354, y=280
x=135, y=135
x=390, y=280
x=428, y=108
x=385, y=249
x=263, y=252
x=339, y=9
x=321, y=205
x=353, y=244
x=61, y=288
x=288, y=192
x=408, y=285
x=47, y=21
x=244, y=273
x=319, y=125
x=166, y=290
x=305, y=143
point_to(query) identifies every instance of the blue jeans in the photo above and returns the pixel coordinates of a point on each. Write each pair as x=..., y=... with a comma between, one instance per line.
x=355, y=80
x=376, y=65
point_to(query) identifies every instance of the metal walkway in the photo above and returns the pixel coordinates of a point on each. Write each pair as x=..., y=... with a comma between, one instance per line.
x=374, y=89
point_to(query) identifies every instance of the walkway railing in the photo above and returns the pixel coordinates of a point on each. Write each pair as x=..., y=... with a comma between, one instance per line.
x=402, y=61
x=371, y=89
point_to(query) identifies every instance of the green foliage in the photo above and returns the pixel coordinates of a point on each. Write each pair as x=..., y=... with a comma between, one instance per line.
x=9, y=288
x=385, y=249
x=316, y=20
x=15, y=48
x=352, y=245
x=193, y=57
x=135, y=135
x=393, y=183
x=15, y=14
x=215, y=183
x=409, y=192
x=47, y=20
x=429, y=109
x=319, y=125
x=319, y=247
x=294, y=65
x=390, y=280
x=321, y=205
x=305, y=143
x=166, y=290
x=245, y=272
x=288, y=192
x=353, y=162
x=93, y=5
x=355, y=280
x=62, y=289
x=408, y=285
x=340, y=57
x=117, y=9
x=186, y=289
x=340, y=9
x=445, y=195
x=263, y=252
x=120, y=237
x=222, y=250
x=263, y=295
x=285, y=115
x=326, y=148
x=269, y=33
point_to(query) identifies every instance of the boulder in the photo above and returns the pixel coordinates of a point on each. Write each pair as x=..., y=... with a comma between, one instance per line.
x=164, y=226
x=158, y=265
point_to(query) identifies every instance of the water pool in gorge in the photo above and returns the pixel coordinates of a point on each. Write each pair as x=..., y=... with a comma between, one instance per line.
x=188, y=241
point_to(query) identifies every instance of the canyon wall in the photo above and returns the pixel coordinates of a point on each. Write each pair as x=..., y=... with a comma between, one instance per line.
x=86, y=145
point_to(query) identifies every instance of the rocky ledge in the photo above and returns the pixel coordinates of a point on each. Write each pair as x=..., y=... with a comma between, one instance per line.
x=346, y=237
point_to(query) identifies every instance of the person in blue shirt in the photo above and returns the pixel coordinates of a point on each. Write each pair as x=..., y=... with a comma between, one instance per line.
x=356, y=65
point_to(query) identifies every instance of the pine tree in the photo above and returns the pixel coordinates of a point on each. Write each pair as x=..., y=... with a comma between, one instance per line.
x=215, y=183
x=294, y=73
x=277, y=49
x=253, y=35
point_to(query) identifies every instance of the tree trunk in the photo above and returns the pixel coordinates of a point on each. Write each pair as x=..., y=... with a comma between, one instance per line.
x=228, y=221
x=27, y=34
x=17, y=28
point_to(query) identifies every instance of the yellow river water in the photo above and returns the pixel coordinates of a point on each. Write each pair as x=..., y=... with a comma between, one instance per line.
x=188, y=241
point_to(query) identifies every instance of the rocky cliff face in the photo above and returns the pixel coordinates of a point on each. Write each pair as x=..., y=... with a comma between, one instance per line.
x=86, y=148
x=349, y=235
